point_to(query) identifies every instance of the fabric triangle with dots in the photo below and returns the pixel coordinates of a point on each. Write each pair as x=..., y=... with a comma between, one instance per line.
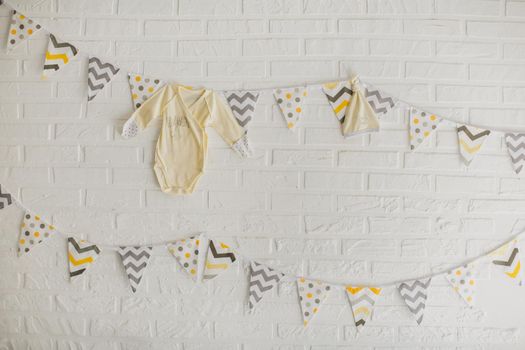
x=312, y=294
x=20, y=28
x=464, y=280
x=33, y=231
x=186, y=252
x=142, y=88
x=290, y=102
x=422, y=125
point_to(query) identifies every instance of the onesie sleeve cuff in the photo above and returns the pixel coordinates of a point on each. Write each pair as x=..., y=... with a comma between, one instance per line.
x=130, y=129
x=243, y=147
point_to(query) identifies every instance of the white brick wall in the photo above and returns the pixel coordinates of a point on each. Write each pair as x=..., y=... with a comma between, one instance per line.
x=360, y=210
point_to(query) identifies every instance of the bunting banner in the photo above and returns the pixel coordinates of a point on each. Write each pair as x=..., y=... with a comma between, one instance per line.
x=33, y=231
x=20, y=28
x=290, y=102
x=338, y=95
x=186, y=252
x=470, y=140
x=312, y=294
x=507, y=258
x=359, y=116
x=262, y=280
x=516, y=148
x=135, y=261
x=380, y=101
x=81, y=255
x=219, y=258
x=422, y=124
x=243, y=104
x=58, y=54
x=99, y=75
x=463, y=280
x=414, y=293
x=362, y=301
x=142, y=88
x=5, y=198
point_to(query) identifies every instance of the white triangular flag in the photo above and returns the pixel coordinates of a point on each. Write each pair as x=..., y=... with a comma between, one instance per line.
x=33, y=231
x=516, y=148
x=243, y=104
x=135, y=261
x=81, y=255
x=99, y=74
x=142, y=88
x=186, y=252
x=58, y=54
x=290, y=102
x=464, y=280
x=421, y=125
x=414, y=293
x=362, y=300
x=508, y=260
x=262, y=280
x=470, y=140
x=311, y=296
x=219, y=258
x=20, y=29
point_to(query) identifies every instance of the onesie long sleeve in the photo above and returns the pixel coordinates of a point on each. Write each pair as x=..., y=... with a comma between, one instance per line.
x=182, y=145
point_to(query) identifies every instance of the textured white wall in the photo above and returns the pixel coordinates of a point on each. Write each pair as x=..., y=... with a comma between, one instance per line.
x=361, y=210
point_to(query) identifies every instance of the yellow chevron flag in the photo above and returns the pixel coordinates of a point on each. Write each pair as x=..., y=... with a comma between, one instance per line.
x=58, y=54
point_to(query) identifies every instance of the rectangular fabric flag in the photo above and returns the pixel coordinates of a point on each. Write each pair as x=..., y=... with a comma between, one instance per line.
x=99, y=75
x=5, y=198
x=464, y=280
x=290, y=102
x=311, y=295
x=81, y=255
x=58, y=54
x=20, y=29
x=507, y=258
x=470, y=140
x=219, y=258
x=142, y=88
x=362, y=301
x=262, y=280
x=135, y=261
x=186, y=252
x=516, y=148
x=243, y=104
x=422, y=125
x=414, y=293
x=33, y=231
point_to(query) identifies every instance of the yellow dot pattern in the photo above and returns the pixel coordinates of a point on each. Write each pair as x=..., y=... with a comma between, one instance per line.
x=20, y=29
x=33, y=231
x=422, y=124
x=311, y=295
x=186, y=252
x=290, y=102
x=142, y=88
x=463, y=281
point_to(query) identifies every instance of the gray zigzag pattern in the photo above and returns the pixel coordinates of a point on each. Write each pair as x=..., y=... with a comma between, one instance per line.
x=516, y=149
x=99, y=74
x=242, y=104
x=135, y=261
x=5, y=199
x=414, y=293
x=262, y=280
x=379, y=103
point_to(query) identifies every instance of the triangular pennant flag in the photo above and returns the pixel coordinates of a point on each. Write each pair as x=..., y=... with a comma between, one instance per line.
x=464, y=279
x=380, y=101
x=414, y=293
x=311, y=295
x=516, y=148
x=243, y=105
x=58, y=54
x=81, y=254
x=362, y=300
x=290, y=102
x=338, y=95
x=508, y=259
x=262, y=279
x=33, y=231
x=470, y=140
x=422, y=124
x=142, y=88
x=20, y=29
x=99, y=74
x=219, y=258
x=135, y=261
x=186, y=252
x=5, y=198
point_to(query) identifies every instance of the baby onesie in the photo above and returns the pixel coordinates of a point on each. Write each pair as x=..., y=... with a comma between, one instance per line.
x=182, y=145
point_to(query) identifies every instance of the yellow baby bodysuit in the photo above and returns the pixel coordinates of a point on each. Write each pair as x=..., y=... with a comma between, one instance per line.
x=182, y=145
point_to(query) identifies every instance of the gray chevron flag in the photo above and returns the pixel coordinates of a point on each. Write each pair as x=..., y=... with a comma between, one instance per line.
x=414, y=293
x=243, y=105
x=5, y=198
x=135, y=261
x=99, y=74
x=516, y=148
x=262, y=279
x=380, y=102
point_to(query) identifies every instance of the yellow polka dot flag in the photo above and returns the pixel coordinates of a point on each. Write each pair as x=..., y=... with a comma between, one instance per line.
x=33, y=231
x=20, y=28
x=422, y=124
x=186, y=252
x=464, y=280
x=142, y=88
x=290, y=102
x=312, y=294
